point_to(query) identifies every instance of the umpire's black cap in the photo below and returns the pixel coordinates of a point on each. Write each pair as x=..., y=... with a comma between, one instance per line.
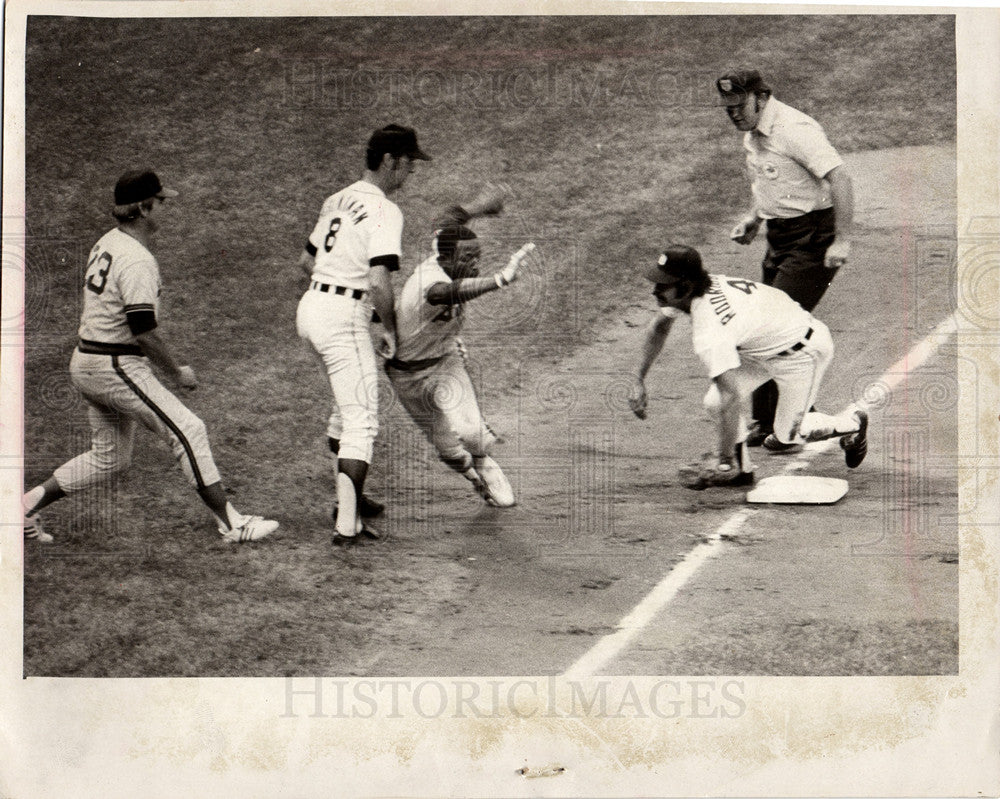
x=676, y=262
x=737, y=84
x=396, y=141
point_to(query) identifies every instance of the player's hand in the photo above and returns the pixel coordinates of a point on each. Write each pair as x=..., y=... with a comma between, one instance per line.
x=387, y=345
x=186, y=378
x=491, y=199
x=637, y=398
x=837, y=254
x=508, y=274
x=745, y=230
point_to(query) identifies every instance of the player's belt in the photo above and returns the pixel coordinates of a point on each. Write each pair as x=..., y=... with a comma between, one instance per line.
x=414, y=366
x=354, y=294
x=102, y=348
x=798, y=345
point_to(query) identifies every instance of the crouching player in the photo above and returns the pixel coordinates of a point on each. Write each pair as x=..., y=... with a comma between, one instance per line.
x=746, y=333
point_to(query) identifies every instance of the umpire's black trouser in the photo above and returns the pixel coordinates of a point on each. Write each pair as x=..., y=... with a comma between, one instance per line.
x=796, y=248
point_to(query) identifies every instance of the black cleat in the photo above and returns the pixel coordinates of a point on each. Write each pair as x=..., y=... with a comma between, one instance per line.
x=757, y=434
x=855, y=445
x=339, y=540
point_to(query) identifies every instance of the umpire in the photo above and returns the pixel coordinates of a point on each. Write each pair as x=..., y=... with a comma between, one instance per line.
x=802, y=189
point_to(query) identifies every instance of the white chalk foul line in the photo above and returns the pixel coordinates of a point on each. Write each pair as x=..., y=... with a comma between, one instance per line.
x=656, y=600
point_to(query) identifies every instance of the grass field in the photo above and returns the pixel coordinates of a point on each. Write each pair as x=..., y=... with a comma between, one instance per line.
x=605, y=127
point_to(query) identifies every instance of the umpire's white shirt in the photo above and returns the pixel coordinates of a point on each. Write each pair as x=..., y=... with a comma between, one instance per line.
x=788, y=156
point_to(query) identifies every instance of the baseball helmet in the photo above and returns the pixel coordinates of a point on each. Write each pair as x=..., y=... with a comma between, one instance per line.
x=737, y=84
x=677, y=262
x=139, y=185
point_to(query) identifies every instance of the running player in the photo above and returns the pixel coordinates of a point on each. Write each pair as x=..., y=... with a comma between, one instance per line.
x=111, y=367
x=428, y=372
x=354, y=246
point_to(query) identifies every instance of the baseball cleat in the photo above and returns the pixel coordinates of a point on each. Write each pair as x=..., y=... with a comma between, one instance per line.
x=253, y=528
x=33, y=530
x=855, y=445
x=757, y=434
x=698, y=478
x=771, y=444
x=498, y=491
x=341, y=540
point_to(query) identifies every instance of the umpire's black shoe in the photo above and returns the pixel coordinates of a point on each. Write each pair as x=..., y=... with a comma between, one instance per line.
x=757, y=434
x=855, y=445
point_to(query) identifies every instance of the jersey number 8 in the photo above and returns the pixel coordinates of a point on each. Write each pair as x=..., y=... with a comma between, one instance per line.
x=332, y=235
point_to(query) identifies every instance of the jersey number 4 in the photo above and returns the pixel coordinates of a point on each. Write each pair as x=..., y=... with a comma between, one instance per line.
x=98, y=279
x=746, y=286
x=331, y=236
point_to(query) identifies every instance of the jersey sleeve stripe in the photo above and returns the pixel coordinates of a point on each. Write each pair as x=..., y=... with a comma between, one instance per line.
x=390, y=262
x=311, y=249
x=140, y=306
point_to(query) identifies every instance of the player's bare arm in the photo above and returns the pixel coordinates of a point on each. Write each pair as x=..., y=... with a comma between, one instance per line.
x=155, y=348
x=306, y=262
x=656, y=336
x=842, y=191
x=382, y=299
x=729, y=413
x=489, y=202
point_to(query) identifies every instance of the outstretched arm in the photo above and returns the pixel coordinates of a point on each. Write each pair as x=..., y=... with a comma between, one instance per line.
x=729, y=412
x=468, y=288
x=488, y=202
x=656, y=335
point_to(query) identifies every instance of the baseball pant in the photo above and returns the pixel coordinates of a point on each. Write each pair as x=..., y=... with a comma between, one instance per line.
x=798, y=376
x=442, y=402
x=337, y=327
x=122, y=391
x=796, y=249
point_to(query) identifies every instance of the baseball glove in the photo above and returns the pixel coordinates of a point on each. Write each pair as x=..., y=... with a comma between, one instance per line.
x=713, y=472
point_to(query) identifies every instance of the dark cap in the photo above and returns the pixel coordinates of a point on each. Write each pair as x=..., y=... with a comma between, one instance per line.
x=139, y=185
x=736, y=85
x=676, y=262
x=396, y=141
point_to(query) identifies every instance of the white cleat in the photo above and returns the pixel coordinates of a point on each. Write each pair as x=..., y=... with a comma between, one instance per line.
x=33, y=530
x=496, y=489
x=253, y=528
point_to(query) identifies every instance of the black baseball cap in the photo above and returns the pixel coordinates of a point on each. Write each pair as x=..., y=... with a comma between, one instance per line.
x=736, y=84
x=139, y=185
x=396, y=141
x=676, y=262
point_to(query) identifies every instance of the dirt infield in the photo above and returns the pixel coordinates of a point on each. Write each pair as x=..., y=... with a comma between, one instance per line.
x=868, y=586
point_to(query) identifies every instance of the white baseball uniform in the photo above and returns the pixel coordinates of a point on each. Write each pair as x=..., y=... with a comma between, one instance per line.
x=117, y=383
x=356, y=226
x=763, y=334
x=429, y=374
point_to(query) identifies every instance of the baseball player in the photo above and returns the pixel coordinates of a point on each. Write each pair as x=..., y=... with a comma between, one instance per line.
x=428, y=371
x=801, y=190
x=351, y=252
x=745, y=333
x=111, y=367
